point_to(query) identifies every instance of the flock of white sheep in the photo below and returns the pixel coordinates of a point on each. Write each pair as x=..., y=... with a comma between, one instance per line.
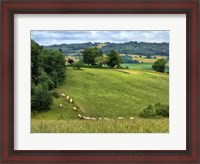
x=69, y=99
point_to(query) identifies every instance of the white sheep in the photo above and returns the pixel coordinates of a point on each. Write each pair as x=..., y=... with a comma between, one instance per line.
x=93, y=118
x=120, y=118
x=75, y=108
x=67, y=98
x=79, y=115
x=70, y=100
x=63, y=94
x=100, y=118
x=87, y=118
x=61, y=105
x=131, y=118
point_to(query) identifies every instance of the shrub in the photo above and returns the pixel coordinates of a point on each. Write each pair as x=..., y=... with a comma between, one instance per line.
x=159, y=65
x=78, y=65
x=162, y=110
x=148, y=112
x=155, y=111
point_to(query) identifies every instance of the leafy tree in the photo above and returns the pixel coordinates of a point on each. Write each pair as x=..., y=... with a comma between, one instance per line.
x=47, y=71
x=113, y=59
x=41, y=98
x=53, y=63
x=78, y=64
x=90, y=55
x=35, y=55
x=102, y=60
x=43, y=77
x=159, y=65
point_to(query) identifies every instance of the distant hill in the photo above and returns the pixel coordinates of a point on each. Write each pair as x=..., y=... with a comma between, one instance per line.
x=139, y=48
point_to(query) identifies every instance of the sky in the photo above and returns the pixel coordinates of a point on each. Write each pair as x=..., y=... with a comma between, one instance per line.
x=60, y=37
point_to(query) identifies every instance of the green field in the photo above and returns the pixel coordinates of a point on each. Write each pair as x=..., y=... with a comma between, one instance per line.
x=141, y=66
x=109, y=93
x=138, y=66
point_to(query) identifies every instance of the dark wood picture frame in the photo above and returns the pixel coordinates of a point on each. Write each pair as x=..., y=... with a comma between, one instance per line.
x=11, y=7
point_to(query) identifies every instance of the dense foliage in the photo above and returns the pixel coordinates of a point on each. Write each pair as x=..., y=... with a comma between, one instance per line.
x=90, y=55
x=159, y=65
x=78, y=64
x=140, y=48
x=155, y=110
x=71, y=48
x=113, y=59
x=47, y=72
x=128, y=59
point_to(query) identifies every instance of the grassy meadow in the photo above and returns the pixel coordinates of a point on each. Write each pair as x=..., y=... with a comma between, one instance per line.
x=139, y=66
x=139, y=125
x=106, y=93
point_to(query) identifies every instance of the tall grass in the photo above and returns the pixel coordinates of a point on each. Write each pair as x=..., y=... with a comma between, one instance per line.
x=138, y=125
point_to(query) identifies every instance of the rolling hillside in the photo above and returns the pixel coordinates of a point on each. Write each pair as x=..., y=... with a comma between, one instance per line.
x=110, y=93
x=105, y=93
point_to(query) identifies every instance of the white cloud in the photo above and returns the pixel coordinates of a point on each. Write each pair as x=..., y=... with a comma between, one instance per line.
x=59, y=37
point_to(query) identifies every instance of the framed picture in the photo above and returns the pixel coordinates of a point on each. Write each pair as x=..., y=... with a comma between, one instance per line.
x=113, y=81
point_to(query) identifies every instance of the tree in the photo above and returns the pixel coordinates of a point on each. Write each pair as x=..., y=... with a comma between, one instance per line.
x=90, y=55
x=159, y=65
x=41, y=98
x=53, y=63
x=102, y=60
x=35, y=55
x=43, y=77
x=113, y=59
x=47, y=71
x=78, y=64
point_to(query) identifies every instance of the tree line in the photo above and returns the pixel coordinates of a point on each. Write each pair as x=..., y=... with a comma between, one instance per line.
x=132, y=47
x=47, y=72
x=94, y=56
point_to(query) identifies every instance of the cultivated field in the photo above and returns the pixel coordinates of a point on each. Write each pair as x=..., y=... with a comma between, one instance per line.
x=105, y=93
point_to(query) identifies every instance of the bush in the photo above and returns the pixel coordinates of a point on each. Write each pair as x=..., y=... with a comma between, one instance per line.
x=148, y=112
x=162, y=110
x=159, y=65
x=155, y=110
x=78, y=65
x=41, y=98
